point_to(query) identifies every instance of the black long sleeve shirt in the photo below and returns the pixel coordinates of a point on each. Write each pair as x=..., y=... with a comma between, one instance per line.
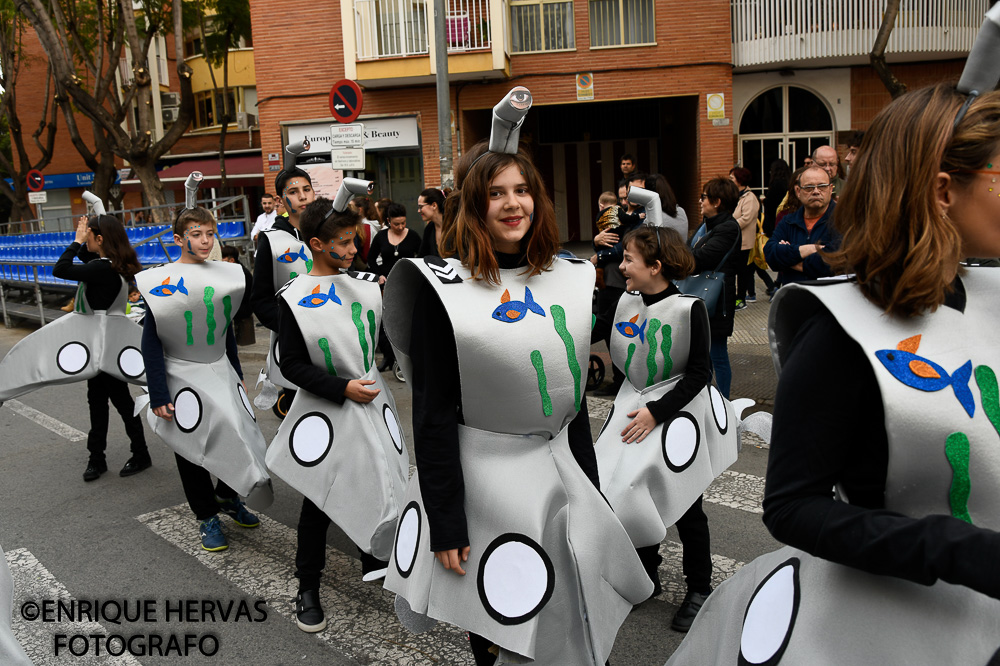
x=437, y=401
x=382, y=247
x=829, y=429
x=102, y=281
x=262, y=294
x=296, y=365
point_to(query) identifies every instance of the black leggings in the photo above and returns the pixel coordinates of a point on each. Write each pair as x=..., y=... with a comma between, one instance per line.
x=198, y=489
x=100, y=389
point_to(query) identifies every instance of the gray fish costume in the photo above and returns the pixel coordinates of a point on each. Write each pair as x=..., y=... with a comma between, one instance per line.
x=75, y=348
x=652, y=483
x=350, y=460
x=551, y=573
x=291, y=257
x=790, y=607
x=11, y=652
x=214, y=425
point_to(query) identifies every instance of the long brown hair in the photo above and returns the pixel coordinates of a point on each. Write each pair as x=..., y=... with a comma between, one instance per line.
x=467, y=236
x=903, y=249
x=116, y=245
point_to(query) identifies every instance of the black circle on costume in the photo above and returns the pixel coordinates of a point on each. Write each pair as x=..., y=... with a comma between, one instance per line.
x=611, y=413
x=663, y=441
x=549, y=571
x=995, y=659
x=714, y=415
x=277, y=358
x=386, y=411
x=395, y=546
x=122, y=370
x=291, y=439
x=245, y=399
x=85, y=363
x=201, y=409
x=796, y=598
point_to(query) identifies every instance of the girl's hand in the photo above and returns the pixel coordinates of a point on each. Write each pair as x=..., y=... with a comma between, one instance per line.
x=642, y=424
x=381, y=279
x=452, y=559
x=357, y=392
x=81, y=230
x=606, y=239
x=165, y=411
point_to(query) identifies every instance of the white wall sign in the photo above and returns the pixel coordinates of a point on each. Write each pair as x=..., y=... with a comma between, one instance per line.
x=38, y=197
x=347, y=158
x=351, y=135
x=379, y=134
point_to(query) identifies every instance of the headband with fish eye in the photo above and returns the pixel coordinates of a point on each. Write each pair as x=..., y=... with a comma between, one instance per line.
x=349, y=187
x=97, y=206
x=508, y=116
x=191, y=189
x=982, y=68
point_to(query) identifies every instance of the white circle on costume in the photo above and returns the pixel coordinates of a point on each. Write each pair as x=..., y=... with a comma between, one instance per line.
x=130, y=362
x=393, y=426
x=769, y=617
x=187, y=409
x=680, y=441
x=515, y=579
x=719, y=409
x=311, y=438
x=407, y=539
x=72, y=357
x=246, y=400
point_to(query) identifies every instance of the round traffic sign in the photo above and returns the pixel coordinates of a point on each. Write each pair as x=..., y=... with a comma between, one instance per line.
x=345, y=101
x=36, y=181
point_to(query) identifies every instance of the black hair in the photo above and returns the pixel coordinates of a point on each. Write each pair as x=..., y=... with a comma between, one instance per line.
x=117, y=247
x=634, y=176
x=856, y=138
x=230, y=252
x=286, y=175
x=433, y=195
x=627, y=156
x=394, y=210
x=319, y=220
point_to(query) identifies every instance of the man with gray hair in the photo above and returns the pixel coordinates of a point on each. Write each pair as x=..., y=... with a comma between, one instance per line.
x=826, y=158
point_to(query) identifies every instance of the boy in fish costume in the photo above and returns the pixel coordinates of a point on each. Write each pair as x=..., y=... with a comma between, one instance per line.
x=198, y=403
x=282, y=254
x=340, y=444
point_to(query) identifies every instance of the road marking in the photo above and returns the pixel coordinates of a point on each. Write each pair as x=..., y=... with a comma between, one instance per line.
x=672, y=575
x=737, y=491
x=361, y=621
x=33, y=582
x=46, y=421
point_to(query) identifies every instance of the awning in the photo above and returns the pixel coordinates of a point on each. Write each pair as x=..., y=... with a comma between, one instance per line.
x=241, y=171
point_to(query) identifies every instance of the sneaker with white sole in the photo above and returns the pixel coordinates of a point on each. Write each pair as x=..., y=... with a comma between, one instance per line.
x=309, y=612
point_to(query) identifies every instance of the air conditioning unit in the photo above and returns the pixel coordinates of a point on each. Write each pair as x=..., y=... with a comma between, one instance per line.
x=246, y=120
x=170, y=99
x=170, y=115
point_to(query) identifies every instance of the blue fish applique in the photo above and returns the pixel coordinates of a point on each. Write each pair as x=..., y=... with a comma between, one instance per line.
x=923, y=374
x=167, y=289
x=316, y=299
x=288, y=257
x=630, y=330
x=510, y=311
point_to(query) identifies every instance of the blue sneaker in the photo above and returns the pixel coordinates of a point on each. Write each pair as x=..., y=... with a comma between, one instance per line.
x=237, y=510
x=212, y=538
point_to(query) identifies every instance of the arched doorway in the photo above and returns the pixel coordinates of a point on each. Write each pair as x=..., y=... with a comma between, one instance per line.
x=786, y=122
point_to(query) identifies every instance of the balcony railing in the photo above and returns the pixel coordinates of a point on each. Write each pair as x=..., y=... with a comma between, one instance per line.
x=394, y=28
x=785, y=31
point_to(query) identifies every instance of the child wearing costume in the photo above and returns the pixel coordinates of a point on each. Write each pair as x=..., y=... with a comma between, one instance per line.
x=504, y=531
x=199, y=405
x=340, y=443
x=669, y=433
x=899, y=565
x=96, y=342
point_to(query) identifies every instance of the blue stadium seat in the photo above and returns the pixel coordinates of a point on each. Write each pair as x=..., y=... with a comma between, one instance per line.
x=175, y=252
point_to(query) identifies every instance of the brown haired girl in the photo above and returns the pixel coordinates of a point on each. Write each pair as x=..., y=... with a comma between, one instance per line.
x=888, y=393
x=504, y=531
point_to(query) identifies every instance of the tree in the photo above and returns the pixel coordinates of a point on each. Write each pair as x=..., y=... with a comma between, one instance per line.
x=877, y=55
x=85, y=41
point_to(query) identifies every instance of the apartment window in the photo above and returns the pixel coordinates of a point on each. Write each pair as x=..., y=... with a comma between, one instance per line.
x=193, y=47
x=209, y=109
x=621, y=22
x=541, y=26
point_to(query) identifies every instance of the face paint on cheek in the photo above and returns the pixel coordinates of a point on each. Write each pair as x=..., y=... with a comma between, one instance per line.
x=288, y=203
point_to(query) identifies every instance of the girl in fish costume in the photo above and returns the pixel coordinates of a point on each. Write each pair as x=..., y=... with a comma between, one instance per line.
x=670, y=432
x=199, y=405
x=340, y=444
x=503, y=531
x=900, y=564
x=97, y=342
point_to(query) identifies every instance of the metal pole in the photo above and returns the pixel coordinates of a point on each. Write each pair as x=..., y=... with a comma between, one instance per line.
x=38, y=296
x=443, y=92
x=3, y=305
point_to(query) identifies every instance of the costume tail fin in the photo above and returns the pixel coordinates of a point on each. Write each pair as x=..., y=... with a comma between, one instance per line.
x=333, y=294
x=960, y=384
x=302, y=254
x=181, y=288
x=642, y=331
x=529, y=301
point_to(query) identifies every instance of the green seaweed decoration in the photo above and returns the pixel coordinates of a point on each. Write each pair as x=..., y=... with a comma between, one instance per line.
x=654, y=326
x=956, y=449
x=666, y=343
x=543, y=391
x=628, y=358
x=210, y=314
x=986, y=379
x=356, y=309
x=324, y=346
x=189, y=322
x=309, y=265
x=372, y=332
x=227, y=309
x=559, y=321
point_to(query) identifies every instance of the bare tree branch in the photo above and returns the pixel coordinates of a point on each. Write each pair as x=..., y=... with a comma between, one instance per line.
x=877, y=55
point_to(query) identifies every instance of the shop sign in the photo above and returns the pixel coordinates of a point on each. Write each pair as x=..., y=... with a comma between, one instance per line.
x=379, y=134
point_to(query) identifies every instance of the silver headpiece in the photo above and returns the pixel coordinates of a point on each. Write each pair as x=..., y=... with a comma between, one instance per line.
x=95, y=202
x=191, y=189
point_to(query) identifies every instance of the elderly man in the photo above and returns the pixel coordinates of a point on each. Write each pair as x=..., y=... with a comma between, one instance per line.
x=793, y=248
x=825, y=157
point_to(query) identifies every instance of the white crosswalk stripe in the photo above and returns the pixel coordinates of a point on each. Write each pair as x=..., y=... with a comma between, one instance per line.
x=33, y=582
x=55, y=425
x=672, y=578
x=737, y=491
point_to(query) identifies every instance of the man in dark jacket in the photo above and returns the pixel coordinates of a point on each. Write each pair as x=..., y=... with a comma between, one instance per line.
x=793, y=249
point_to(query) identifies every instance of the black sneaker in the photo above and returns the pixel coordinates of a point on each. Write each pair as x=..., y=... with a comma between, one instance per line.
x=94, y=470
x=688, y=611
x=135, y=465
x=308, y=612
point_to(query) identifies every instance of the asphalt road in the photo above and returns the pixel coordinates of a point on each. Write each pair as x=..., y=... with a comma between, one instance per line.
x=129, y=540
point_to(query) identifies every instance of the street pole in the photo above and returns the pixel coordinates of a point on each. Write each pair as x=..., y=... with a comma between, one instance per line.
x=443, y=93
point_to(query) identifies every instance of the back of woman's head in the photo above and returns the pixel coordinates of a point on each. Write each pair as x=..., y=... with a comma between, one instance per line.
x=780, y=173
x=664, y=245
x=115, y=244
x=792, y=201
x=897, y=238
x=668, y=202
x=467, y=236
x=365, y=207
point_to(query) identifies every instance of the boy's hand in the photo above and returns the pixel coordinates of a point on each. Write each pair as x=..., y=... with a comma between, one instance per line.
x=452, y=559
x=357, y=392
x=641, y=425
x=165, y=411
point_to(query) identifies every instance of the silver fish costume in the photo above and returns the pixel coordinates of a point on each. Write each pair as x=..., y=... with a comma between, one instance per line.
x=11, y=652
x=551, y=573
x=214, y=425
x=943, y=432
x=652, y=483
x=350, y=460
x=76, y=347
x=290, y=257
